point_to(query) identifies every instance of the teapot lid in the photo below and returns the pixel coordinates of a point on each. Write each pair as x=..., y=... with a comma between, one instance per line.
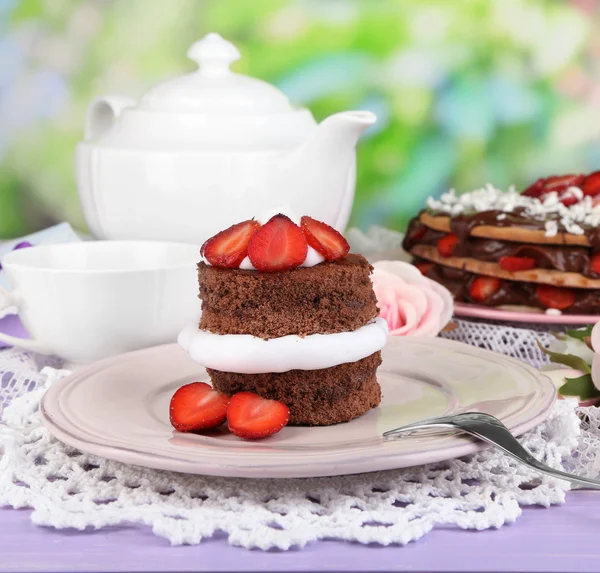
x=214, y=88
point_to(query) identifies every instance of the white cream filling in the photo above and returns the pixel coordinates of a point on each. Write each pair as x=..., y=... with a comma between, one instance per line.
x=246, y=354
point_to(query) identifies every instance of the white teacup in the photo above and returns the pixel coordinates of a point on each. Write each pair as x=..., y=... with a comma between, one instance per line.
x=85, y=301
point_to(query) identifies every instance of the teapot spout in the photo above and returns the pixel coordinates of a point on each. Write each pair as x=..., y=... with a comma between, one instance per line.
x=325, y=165
x=338, y=134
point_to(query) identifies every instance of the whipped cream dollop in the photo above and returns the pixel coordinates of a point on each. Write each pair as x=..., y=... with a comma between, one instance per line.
x=312, y=259
x=247, y=354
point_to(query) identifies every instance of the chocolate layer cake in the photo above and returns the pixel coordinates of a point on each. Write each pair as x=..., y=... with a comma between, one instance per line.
x=539, y=249
x=289, y=315
x=330, y=297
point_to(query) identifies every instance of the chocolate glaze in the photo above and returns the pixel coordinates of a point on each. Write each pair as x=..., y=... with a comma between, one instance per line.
x=458, y=282
x=559, y=257
x=463, y=223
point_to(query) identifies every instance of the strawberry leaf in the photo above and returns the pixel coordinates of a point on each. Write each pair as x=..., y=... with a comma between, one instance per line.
x=570, y=360
x=582, y=386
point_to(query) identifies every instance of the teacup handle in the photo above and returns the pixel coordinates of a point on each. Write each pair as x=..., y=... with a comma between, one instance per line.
x=12, y=298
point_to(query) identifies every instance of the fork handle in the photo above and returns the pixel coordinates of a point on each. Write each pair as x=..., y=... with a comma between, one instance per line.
x=516, y=451
x=493, y=432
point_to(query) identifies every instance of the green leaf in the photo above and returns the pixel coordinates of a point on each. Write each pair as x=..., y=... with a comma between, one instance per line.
x=582, y=386
x=581, y=333
x=567, y=359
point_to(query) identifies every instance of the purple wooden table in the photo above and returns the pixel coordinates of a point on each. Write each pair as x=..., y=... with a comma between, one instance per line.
x=562, y=538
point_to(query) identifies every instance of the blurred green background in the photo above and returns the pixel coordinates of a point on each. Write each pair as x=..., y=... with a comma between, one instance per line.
x=466, y=91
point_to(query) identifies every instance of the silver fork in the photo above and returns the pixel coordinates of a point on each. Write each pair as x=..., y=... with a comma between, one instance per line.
x=493, y=431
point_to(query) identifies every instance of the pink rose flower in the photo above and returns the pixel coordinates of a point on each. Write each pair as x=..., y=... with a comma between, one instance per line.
x=411, y=304
x=596, y=358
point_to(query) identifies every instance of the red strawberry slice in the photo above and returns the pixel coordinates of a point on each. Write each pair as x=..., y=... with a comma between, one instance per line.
x=228, y=248
x=416, y=232
x=279, y=245
x=447, y=244
x=197, y=406
x=595, y=263
x=483, y=287
x=325, y=239
x=591, y=184
x=252, y=417
x=555, y=297
x=560, y=183
x=535, y=189
x=424, y=267
x=514, y=264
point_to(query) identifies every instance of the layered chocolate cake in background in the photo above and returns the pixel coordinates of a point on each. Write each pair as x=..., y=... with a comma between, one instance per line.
x=538, y=250
x=289, y=315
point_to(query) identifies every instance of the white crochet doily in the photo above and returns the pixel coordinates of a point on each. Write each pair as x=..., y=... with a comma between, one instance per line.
x=69, y=489
x=505, y=338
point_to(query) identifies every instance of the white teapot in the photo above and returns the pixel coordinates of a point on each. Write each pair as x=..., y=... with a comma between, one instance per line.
x=203, y=151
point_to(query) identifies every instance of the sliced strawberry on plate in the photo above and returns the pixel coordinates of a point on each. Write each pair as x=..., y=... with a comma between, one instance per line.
x=197, y=406
x=447, y=244
x=252, y=417
x=279, y=245
x=591, y=184
x=535, y=189
x=424, y=267
x=555, y=297
x=483, y=287
x=229, y=248
x=514, y=264
x=560, y=183
x=325, y=239
x=595, y=263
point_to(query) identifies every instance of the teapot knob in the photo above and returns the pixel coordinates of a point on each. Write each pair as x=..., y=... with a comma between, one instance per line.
x=213, y=54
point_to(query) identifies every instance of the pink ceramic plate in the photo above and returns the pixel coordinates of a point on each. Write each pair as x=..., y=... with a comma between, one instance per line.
x=476, y=311
x=118, y=408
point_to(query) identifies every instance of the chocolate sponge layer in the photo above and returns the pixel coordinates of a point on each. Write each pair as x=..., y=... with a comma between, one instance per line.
x=330, y=297
x=314, y=397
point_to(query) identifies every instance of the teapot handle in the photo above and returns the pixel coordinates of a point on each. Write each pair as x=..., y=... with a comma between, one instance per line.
x=102, y=113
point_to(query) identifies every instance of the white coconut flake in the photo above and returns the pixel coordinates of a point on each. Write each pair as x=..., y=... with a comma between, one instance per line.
x=576, y=192
x=553, y=312
x=501, y=217
x=551, y=228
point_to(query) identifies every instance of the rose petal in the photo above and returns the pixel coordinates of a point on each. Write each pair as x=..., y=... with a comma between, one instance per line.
x=430, y=322
x=596, y=371
x=596, y=337
x=410, y=303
